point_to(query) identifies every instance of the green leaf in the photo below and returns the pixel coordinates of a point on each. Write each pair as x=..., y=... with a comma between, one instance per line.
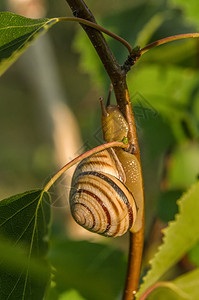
x=167, y=207
x=158, y=20
x=180, y=236
x=24, y=229
x=194, y=255
x=16, y=34
x=180, y=53
x=169, y=91
x=190, y=8
x=89, y=60
x=184, y=160
x=87, y=267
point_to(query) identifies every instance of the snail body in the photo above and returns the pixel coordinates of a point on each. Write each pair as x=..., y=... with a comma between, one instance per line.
x=115, y=128
x=102, y=196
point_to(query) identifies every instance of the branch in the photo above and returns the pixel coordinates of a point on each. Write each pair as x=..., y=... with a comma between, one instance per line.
x=79, y=158
x=134, y=263
x=99, y=28
x=117, y=76
x=116, y=73
x=80, y=10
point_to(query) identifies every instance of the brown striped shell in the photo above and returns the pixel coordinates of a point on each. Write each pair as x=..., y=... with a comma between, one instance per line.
x=99, y=200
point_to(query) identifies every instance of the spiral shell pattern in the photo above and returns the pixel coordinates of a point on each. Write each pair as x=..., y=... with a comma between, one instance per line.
x=99, y=201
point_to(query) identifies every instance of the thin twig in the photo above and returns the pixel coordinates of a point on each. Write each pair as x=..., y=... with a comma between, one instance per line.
x=98, y=27
x=83, y=156
x=167, y=40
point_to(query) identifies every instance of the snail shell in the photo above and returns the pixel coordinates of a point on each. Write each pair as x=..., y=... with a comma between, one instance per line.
x=107, y=190
x=99, y=200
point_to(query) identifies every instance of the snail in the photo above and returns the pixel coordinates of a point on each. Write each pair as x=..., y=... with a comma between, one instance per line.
x=105, y=195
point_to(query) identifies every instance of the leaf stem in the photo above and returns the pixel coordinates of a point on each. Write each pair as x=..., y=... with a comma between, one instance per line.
x=99, y=28
x=167, y=40
x=81, y=157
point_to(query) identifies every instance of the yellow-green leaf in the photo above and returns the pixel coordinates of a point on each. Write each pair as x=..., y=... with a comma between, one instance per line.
x=179, y=237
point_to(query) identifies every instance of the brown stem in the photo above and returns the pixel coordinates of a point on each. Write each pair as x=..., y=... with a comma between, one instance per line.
x=118, y=78
x=83, y=156
x=99, y=28
x=134, y=263
x=113, y=69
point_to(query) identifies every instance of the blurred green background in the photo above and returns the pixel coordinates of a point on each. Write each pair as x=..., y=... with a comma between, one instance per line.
x=164, y=88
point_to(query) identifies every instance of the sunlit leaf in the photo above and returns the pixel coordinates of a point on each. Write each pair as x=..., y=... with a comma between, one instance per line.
x=24, y=229
x=16, y=34
x=178, y=238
